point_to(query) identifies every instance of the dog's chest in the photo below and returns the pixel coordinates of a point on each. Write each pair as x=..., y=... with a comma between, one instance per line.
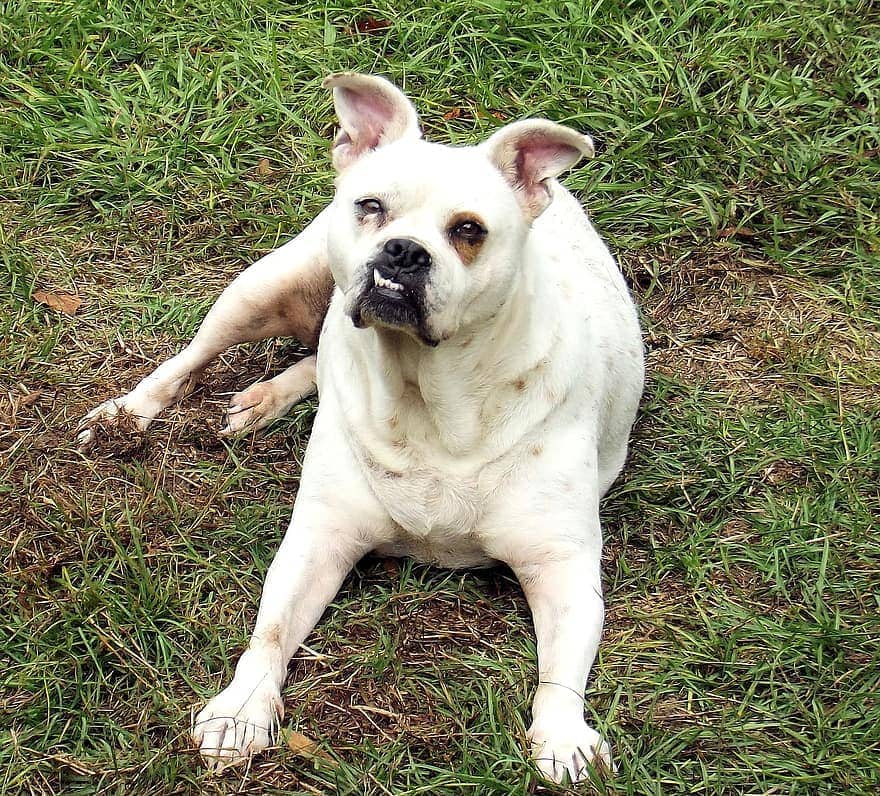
x=436, y=510
x=426, y=501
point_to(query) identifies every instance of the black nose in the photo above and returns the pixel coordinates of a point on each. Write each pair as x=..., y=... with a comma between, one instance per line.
x=405, y=256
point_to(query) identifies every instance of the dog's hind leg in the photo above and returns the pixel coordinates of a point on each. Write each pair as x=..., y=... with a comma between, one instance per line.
x=286, y=293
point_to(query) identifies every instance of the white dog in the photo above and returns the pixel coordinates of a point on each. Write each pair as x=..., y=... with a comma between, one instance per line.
x=479, y=370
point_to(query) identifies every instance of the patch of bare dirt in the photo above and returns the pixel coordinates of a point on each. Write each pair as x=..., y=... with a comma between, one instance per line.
x=48, y=487
x=351, y=692
x=721, y=318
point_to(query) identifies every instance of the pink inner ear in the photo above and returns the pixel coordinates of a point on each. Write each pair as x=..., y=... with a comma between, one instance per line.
x=369, y=116
x=539, y=158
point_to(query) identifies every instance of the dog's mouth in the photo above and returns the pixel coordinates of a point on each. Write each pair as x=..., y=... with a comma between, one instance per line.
x=396, y=302
x=389, y=289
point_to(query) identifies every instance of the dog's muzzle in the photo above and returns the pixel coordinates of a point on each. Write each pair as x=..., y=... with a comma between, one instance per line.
x=393, y=288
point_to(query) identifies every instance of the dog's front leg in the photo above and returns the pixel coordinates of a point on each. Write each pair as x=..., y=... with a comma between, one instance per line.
x=336, y=521
x=565, y=596
x=308, y=570
x=286, y=293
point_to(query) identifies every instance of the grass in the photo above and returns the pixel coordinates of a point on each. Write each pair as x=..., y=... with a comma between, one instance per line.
x=150, y=151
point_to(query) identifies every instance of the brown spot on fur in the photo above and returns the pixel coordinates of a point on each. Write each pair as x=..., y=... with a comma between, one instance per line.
x=271, y=637
x=537, y=450
x=467, y=247
x=393, y=421
x=306, y=304
x=520, y=384
x=467, y=341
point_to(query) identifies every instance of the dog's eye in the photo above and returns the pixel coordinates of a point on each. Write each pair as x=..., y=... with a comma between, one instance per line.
x=369, y=207
x=469, y=231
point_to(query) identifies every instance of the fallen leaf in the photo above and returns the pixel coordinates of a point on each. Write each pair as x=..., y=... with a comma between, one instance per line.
x=736, y=232
x=60, y=302
x=303, y=746
x=370, y=25
x=263, y=167
x=31, y=398
x=453, y=114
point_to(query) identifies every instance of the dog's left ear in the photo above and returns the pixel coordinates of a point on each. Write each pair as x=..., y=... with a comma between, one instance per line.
x=372, y=112
x=531, y=152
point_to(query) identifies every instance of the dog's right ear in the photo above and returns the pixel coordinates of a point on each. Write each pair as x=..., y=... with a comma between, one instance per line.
x=372, y=112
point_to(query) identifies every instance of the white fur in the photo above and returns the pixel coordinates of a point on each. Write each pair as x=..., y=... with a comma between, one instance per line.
x=495, y=445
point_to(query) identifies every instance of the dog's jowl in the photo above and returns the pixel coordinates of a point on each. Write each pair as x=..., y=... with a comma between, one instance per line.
x=479, y=368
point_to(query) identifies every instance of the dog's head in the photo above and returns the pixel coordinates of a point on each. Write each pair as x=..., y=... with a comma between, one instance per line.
x=429, y=239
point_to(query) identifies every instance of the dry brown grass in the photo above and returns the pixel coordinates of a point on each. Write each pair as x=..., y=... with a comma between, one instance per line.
x=738, y=326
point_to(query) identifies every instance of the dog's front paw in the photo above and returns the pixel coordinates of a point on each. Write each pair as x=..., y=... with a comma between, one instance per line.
x=237, y=723
x=124, y=415
x=568, y=750
x=252, y=409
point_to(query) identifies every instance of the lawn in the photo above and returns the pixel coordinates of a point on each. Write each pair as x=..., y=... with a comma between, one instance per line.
x=150, y=151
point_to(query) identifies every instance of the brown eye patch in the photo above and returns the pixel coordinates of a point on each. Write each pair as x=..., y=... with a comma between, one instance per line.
x=467, y=232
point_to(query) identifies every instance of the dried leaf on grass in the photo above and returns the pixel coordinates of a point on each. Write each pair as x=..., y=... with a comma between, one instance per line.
x=31, y=398
x=737, y=232
x=369, y=25
x=11, y=403
x=60, y=302
x=303, y=746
